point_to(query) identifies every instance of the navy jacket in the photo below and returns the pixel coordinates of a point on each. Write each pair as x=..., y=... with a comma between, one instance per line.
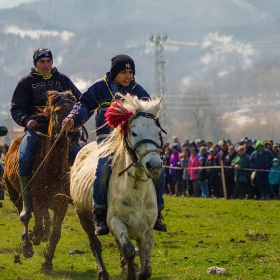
x=30, y=94
x=98, y=98
x=261, y=160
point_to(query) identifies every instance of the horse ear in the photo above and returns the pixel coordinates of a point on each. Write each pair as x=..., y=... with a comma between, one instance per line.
x=160, y=102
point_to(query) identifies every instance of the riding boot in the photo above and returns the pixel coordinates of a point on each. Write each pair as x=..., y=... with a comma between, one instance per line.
x=159, y=225
x=25, y=214
x=99, y=218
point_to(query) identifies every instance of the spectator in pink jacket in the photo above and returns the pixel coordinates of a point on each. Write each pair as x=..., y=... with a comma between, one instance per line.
x=193, y=172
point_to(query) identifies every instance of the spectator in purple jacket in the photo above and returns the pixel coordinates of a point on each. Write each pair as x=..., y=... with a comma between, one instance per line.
x=174, y=161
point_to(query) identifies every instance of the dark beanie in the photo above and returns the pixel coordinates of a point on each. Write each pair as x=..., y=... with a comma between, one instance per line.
x=121, y=62
x=41, y=52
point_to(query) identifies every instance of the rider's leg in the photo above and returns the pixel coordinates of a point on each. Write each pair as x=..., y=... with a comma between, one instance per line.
x=159, y=187
x=27, y=149
x=73, y=151
x=100, y=187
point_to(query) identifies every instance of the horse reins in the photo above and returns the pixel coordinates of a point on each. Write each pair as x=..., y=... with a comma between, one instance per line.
x=132, y=150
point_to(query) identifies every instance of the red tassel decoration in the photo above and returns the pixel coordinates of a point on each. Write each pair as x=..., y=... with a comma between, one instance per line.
x=117, y=115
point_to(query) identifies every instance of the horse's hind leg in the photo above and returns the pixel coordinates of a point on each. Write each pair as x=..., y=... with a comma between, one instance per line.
x=126, y=247
x=58, y=218
x=95, y=244
x=145, y=250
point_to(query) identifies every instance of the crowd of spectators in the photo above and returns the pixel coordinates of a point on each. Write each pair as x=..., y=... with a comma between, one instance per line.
x=247, y=169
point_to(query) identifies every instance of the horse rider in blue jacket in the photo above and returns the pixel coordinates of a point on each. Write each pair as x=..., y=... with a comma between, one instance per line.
x=98, y=98
x=28, y=97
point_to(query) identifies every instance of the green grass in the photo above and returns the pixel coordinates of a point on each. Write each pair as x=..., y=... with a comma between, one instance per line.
x=241, y=236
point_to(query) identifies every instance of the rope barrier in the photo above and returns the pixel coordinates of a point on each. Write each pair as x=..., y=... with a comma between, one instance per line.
x=218, y=167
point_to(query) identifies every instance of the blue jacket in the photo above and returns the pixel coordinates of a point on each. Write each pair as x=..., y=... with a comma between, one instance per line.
x=98, y=98
x=274, y=175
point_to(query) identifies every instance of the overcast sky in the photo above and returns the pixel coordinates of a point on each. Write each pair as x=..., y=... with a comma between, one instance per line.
x=11, y=3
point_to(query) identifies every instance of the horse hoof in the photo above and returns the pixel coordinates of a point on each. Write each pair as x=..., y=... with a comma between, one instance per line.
x=128, y=250
x=45, y=238
x=27, y=248
x=27, y=252
x=103, y=275
x=36, y=240
x=144, y=275
x=47, y=266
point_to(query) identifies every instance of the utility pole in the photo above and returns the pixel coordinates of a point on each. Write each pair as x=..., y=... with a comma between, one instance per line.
x=160, y=83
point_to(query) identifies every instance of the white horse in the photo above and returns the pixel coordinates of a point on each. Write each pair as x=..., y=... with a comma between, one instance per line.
x=134, y=149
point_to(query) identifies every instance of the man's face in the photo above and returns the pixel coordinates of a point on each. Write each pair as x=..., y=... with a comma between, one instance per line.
x=275, y=148
x=241, y=152
x=260, y=147
x=268, y=146
x=44, y=65
x=225, y=147
x=231, y=150
x=124, y=77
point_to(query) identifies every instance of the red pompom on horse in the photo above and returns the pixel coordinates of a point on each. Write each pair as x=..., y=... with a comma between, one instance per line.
x=118, y=115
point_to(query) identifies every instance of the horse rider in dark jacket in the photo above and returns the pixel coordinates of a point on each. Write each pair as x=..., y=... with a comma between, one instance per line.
x=28, y=97
x=98, y=98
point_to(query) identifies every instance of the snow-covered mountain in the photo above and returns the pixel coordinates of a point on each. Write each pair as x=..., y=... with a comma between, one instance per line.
x=204, y=36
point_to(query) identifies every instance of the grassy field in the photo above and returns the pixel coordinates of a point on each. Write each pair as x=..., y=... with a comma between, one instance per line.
x=241, y=236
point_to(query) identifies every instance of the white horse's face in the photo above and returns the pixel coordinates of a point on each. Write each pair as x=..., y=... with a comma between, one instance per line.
x=148, y=154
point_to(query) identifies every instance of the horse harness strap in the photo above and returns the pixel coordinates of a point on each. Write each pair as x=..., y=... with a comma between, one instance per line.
x=60, y=101
x=132, y=150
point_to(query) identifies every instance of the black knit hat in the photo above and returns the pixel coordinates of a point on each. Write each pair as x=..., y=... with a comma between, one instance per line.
x=41, y=52
x=121, y=62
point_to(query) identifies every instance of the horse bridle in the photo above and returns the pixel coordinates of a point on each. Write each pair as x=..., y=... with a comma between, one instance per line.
x=59, y=101
x=132, y=150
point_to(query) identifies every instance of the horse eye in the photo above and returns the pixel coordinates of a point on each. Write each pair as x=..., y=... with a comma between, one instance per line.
x=133, y=134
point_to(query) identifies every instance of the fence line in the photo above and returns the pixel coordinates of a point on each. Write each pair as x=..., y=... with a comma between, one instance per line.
x=218, y=167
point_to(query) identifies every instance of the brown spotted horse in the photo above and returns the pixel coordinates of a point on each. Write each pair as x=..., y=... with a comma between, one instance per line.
x=49, y=183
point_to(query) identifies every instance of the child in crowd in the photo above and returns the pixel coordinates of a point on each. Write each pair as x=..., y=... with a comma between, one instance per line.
x=274, y=178
x=203, y=178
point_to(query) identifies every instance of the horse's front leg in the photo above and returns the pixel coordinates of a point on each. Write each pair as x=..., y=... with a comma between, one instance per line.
x=27, y=248
x=58, y=218
x=126, y=247
x=37, y=234
x=145, y=245
x=47, y=225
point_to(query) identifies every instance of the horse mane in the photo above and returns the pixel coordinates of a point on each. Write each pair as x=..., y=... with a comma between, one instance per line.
x=52, y=95
x=113, y=146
